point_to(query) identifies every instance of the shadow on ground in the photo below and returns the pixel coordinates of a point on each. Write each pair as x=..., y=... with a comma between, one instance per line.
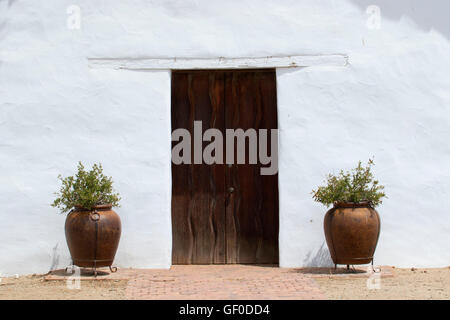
x=332, y=270
x=83, y=273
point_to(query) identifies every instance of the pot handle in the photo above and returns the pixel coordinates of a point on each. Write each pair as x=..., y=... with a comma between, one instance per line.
x=94, y=216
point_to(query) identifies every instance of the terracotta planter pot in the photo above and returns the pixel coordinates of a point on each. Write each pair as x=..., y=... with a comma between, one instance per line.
x=352, y=231
x=93, y=236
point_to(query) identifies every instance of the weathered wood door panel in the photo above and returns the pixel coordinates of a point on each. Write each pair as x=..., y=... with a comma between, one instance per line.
x=224, y=213
x=198, y=191
x=252, y=209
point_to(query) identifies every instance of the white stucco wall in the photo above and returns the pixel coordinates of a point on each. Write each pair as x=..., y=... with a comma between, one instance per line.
x=391, y=102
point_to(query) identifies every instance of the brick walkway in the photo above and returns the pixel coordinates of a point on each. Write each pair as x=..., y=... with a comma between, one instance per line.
x=222, y=282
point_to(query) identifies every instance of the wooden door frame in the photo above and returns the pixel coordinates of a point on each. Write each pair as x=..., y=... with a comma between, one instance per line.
x=268, y=69
x=208, y=63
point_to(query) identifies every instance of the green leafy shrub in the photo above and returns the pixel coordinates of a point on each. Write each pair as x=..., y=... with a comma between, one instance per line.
x=358, y=185
x=87, y=189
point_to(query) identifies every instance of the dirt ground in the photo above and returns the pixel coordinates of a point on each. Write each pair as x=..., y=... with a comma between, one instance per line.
x=405, y=284
x=36, y=288
x=409, y=284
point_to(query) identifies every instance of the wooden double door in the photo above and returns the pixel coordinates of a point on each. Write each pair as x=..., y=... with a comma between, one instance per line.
x=224, y=213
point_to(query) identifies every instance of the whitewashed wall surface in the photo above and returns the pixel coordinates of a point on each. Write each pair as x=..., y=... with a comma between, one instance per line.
x=391, y=101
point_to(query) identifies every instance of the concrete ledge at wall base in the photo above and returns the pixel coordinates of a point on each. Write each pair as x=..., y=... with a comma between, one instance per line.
x=186, y=63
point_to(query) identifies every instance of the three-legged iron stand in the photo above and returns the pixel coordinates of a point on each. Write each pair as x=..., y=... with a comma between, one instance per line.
x=348, y=267
x=94, y=268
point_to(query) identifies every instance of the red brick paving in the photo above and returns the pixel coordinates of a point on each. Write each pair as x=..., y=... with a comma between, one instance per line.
x=237, y=282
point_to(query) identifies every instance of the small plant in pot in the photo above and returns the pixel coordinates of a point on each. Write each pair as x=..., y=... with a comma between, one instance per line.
x=92, y=228
x=352, y=225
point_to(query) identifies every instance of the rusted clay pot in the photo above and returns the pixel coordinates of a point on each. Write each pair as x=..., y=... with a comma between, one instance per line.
x=352, y=231
x=93, y=236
